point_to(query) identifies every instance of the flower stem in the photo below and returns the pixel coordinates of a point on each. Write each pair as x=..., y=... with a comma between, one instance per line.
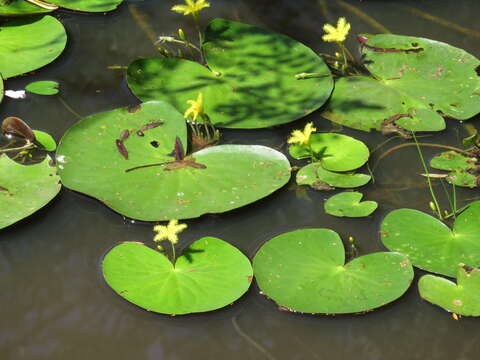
x=432, y=193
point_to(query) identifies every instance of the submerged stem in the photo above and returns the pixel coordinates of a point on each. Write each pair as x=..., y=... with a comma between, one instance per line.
x=432, y=193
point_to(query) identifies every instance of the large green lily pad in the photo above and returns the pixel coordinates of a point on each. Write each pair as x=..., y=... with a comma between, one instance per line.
x=29, y=44
x=349, y=204
x=24, y=189
x=210, y=275
x=429, y=243
x=213, y=180
x=460, y=167
x=249, y=81
x=337, y=152
x=462, y=298
x=20, y=8
x=417, y=78
x=305, y=271
x=317, y=177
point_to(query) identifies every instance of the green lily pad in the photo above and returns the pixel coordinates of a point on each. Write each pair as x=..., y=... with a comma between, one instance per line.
x=88, y=5
x=249, y=81
x=438, y=76
x=338, y=152
x=362, y=103
x=24, y=189
x=459, y=167
x=349, y=204
x=29, y=44
x=213, y=180
x=210, y=275
x=20, y=8
x=45, y=140
x=43, y=87
x=1, y=88
x=462, y=298
x=315, y=175
x=429, y=243
x=305, y=271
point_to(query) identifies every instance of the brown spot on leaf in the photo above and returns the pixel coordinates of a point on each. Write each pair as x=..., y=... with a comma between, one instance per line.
x=121, y=149
x=134, y=109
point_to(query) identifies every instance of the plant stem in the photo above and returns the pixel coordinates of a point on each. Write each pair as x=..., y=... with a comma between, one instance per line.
x=24, y=147
x=432, y=193
x=173, y=253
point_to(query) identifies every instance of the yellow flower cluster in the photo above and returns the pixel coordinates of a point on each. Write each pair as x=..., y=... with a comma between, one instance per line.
x=196, y=108
x=302, y=137
x=336, y=34
x=191, y=7
x=169, y=232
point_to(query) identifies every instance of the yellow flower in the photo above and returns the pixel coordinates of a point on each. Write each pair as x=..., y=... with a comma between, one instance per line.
x=302, y=137
x=196, y=108
x=192, y=7
x=339, y=33
x=169, y=232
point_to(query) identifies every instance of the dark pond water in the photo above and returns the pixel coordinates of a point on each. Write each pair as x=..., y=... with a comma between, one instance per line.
x=54, y=303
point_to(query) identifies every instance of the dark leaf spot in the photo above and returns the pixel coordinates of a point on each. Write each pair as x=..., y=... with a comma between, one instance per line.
x=155, y=144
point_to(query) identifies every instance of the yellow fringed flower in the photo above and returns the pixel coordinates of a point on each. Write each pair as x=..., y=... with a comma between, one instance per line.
x=302, y=137
x=336, y=34
x=191, y=7
x=196, y=108
x=169, y=232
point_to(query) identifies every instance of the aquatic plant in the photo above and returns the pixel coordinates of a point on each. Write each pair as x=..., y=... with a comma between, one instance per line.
x=416, y=82
x=135, y=160
x=429, y=243
x=45, y=87
x=249, y=81
x=463, y=170
x=32, y=7
x=29, y=44
x=462, y=298
x=210, y=274
x=349, y=204
x=305, y=271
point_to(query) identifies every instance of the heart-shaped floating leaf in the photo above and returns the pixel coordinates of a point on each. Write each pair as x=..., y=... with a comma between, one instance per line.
x=461, y=168
x=46, y=87
x=418, y=78
x=462, y=298
x=317, y=177
x=249, y=82
x=209, y=275
x=429, y=243
x=96, y=161
x=337, y=152
x=305, y=271
x=349, y=204
x=29, y=44
x=24, y=189
x=363, y=103
x=20, y=8
x=45, y=140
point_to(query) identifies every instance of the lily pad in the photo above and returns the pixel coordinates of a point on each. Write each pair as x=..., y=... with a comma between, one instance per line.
x=213, y=180
x=460, y=167
x=429, y=243
x=305, y=271
x=363, y=103
x=43, y=87
x=337, y=152
x=24, y=189
x=349, y=204
x=316, y=176
x=20, y=8
x=418, y=80
x=29, y=44
x=210, y=275
x=249, y=81
x=45, y=140
x=462, y=298
x=1, y=88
